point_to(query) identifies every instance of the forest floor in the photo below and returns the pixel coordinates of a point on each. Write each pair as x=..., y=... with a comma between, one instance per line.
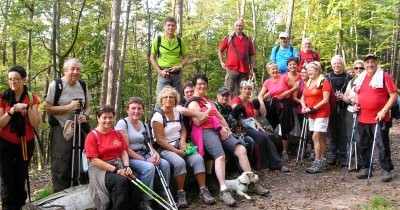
x=299, y=190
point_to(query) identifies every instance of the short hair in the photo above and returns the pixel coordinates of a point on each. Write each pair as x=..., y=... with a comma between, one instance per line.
x=135, y=100
x=358, y=62
x=105, y=109
x=187, y=84
x=199, y=76
x=169, y=19
x=292, y=59
x=305, y=39
x=240, y=19
x=168, y=90
x=339, y=58
x=314, y=65
x=270, y=64
x=71, y=61
x=19, y=69
x=246, y=83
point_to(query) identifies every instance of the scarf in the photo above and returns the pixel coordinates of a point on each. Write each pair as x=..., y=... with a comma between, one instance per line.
x=376, y=81
x=17, y=122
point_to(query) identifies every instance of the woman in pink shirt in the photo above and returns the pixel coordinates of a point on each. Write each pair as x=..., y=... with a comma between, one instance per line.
x=278, y=92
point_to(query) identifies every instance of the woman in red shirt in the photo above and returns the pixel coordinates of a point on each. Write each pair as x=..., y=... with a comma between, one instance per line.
x=109, y=168
x=19, y=115
x=315, y=102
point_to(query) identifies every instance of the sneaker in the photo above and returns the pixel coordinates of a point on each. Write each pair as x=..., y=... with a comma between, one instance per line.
x=145, y=205
x=323, y=164
x=181, y=201
x=285, y=169
x=227, y=198
x=258, y=189
x=285, y=156
x=362, y=173
x=386, y=176
x=205, y=196
x=314, y=168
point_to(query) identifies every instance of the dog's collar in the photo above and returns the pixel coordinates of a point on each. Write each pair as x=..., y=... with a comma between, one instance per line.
x=245, y=184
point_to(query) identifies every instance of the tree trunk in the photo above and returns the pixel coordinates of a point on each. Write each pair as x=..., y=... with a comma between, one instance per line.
x=113, y=65
x=31, y=9
x=122, y=62
x=173, y=8
x=14, y=52
x=254, y=16
x=242, y=9
x=149, y=74
x=55, y=27
x=304, y=32
x=180, y=16
x=339, y=44
x=290, y=18
x=104, y=82
x=395, y=47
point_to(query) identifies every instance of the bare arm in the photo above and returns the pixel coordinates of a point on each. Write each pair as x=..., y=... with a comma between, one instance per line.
x=221, y=61
x=160, y=136
x=392, y=99
x=260, y=98
x=33, y=115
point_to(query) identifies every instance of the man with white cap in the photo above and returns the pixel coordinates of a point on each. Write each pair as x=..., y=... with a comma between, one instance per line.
x=280, y=54
x=376, y=94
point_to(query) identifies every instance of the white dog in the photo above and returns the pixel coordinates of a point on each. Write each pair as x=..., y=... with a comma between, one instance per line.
x=240, y=184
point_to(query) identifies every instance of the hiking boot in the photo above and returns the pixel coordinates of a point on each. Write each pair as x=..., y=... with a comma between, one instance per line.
x=145, y=205
x=323, y=163
x=285, y=156
x=258, y=189
x=181, y=201
x=227, y=198
x=285, y=169
x=386, y=176
x=363, y=173
x=314, y=168
x=205, y=196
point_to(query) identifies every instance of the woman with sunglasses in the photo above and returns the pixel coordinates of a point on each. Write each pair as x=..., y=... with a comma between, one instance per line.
x=143, y=157
x=109, y=171
x=315, y=103
x=19, y=115
x=171, y=137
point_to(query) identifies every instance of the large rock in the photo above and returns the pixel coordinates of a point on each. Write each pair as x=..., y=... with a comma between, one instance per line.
x=74, y=198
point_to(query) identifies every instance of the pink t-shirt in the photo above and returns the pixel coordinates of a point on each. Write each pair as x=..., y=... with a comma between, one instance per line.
x=277, y=87
x=373, y=100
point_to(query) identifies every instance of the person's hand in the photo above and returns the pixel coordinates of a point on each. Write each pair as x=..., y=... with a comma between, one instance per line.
x=305, y=110
x=126, y=171
x=175, y=69
x=82, y=118
x=18, y=107
x=224, y=133
x=356, y=107
x=380, y=116
x=181, y=152
x=74, y=105
x=165, y=73
x=263, y=110
x=182, y=145
x=222, y=65
x=157, y=158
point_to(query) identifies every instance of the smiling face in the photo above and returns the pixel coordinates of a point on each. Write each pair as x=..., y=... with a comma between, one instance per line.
x=73, y=72
x=188, y=92
x=358, y=68
x=15, y=81
x=306, y=45
x=371, y=65
x=337, y=65
x=106, y=120
x=201, y=87
x=245, y=91
x=170, y=28
x=313, y=72
x=135, y=111
x=273, y=70
x=223, y=99
x=238, y=26
x=292, y=66
x=304, y=74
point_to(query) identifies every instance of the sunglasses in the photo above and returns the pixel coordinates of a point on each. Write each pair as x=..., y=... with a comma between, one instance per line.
x=360, y=68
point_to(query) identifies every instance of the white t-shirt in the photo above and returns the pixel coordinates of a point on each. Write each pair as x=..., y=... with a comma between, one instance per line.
x=172, y=130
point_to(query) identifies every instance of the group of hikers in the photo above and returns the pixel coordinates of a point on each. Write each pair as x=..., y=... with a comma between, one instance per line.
x=190, y=131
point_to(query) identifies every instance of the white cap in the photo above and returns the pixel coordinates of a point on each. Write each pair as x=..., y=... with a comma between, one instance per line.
x=283, y=35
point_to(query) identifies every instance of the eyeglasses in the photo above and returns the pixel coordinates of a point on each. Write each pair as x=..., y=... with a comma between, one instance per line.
x=359, y=68
x=169, y=97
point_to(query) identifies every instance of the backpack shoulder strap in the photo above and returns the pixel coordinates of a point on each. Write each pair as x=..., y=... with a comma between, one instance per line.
x=158, y=45
x=159, y=110
x=276, y=50
x=194, y=98
x=59, y=88
x=83, y=85
x=179, y=44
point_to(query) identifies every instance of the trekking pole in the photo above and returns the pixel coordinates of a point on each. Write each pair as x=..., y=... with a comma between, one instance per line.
x=144, y=188
x=303, y=131
x=348, y=159
x=73, y=150
x=372, y=151
x=304, y=139
x=356, y=154
x=26, y=161
x=160, y=174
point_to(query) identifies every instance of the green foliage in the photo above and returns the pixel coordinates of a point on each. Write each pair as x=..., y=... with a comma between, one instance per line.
x=379, y=203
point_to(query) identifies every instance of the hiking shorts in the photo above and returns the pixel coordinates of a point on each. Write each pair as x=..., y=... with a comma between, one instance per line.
x=215, y=146
x=319, y=124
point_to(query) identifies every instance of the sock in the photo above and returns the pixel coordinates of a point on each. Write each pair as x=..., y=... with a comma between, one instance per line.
x=222, y=187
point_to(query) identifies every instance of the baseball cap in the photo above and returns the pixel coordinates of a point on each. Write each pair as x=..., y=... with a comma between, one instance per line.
x=223, y=91
x=283, y=35
x=370, y=56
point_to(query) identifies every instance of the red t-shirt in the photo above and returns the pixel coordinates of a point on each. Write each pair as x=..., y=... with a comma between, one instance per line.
x=373, y=100
x=6, y=134
x=275, y=88
x=233, y=62
x=307, y=57
x=105, y=146
x=313, y=96
x=249, y=106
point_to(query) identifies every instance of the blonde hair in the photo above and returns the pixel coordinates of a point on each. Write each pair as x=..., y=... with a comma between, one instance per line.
x=358, y=62
x=246, y=83
x=168, y=90
x=270, y=64
x=314, y=65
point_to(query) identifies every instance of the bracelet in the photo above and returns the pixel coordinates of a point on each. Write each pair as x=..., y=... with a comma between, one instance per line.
x=9, y=113
x=115, y=169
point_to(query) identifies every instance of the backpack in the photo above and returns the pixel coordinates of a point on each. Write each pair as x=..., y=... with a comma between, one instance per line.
x=159, y=45
x=59, y=87
x=187, y=122
x=313, y=55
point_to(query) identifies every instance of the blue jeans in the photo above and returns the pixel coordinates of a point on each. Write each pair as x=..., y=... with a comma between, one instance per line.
x=146, y=171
